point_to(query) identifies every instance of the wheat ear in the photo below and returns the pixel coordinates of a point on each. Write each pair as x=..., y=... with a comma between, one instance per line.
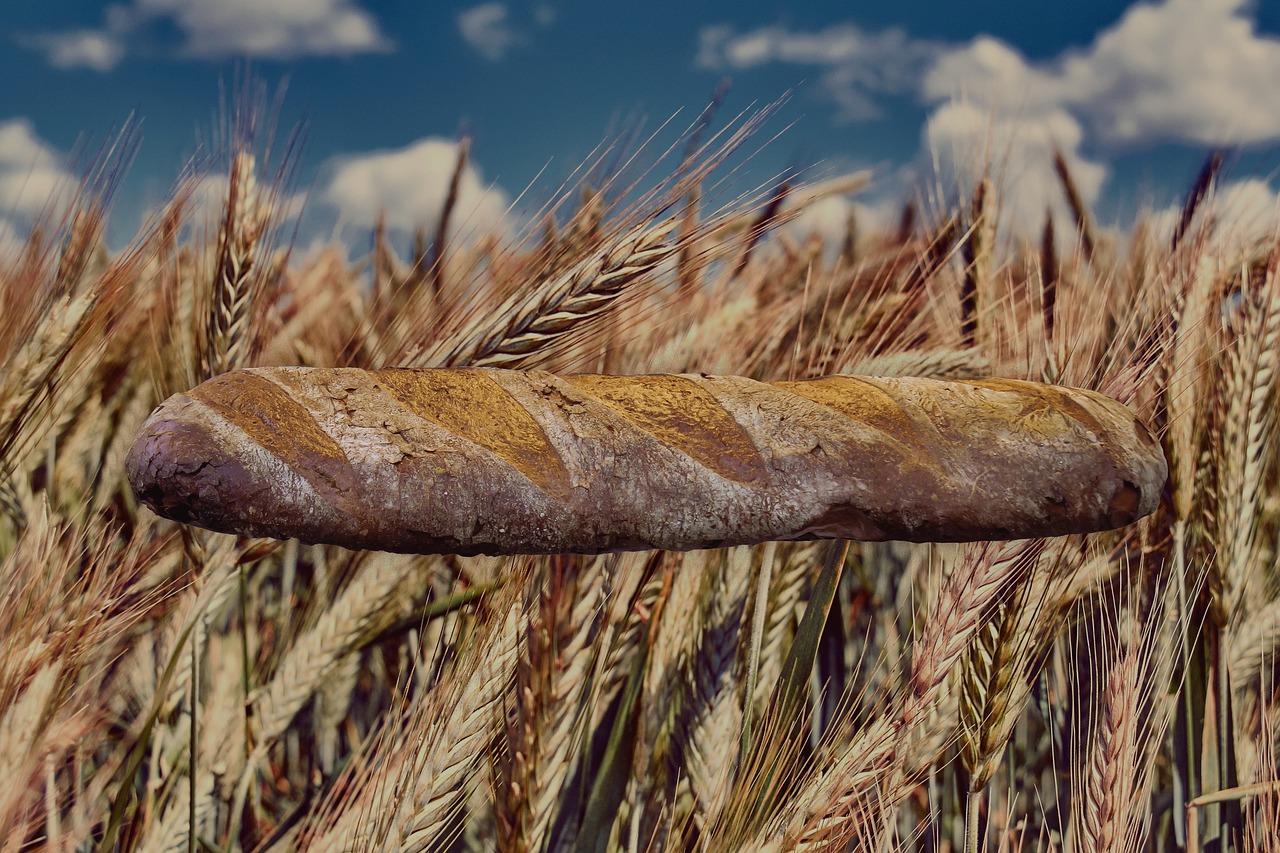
x=529, y=320
x=317, y=654
x=1248, y=431
x=712, y=716
x=236, y=277
x=554, y=685
x=869, y=777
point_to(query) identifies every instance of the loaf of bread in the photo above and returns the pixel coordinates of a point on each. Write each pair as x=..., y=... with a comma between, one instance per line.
x=480, y=461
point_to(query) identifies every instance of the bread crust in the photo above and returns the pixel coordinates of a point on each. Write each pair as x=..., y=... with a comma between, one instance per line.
x=488, y=461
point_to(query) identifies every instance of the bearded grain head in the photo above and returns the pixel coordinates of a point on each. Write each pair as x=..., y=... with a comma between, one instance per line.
x=493, y=461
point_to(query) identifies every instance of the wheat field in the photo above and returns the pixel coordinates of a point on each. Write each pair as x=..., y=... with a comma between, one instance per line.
x=165, y=688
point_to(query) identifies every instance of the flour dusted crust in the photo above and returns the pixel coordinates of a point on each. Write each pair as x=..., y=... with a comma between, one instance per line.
x=503, y=462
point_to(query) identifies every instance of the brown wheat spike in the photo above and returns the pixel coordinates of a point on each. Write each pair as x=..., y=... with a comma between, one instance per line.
x=434, y=262
x=1084, y=222
x=553, y=685
x=10, y=500
x=452, y=734
x=1186, y=382
x=876, y=759
x=1048, y=275
x=1112, y=805
x=976, y=250
x=638, y=590
x=981, y=581
x=1005, y=655
x=28, y=375
x=529, y=321
x=689, y=263
x=767, y=217
x=67, y=609
x=1255, y=647
x=1200, y=189
x=83, y=238
x=236, y=278
x=986, y=675
x=410, y=778
x=670, y=646
x=333, y=702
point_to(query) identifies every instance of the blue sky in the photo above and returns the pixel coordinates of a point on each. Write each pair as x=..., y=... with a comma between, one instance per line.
x=1134, y=93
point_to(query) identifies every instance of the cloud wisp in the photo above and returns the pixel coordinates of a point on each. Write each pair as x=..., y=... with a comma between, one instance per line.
x=487, y=28
x=260, y=29
x=856, y=64
x=490, y=28
x=1124, y=86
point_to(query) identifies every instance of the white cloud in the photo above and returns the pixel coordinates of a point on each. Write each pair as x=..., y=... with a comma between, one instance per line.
x=410, y=185
x=1181, y=71
x=33, y=181
x=268, y=29
x=488, y=29
x=961, y=140
x=1184, y=70
x=1194, y=71
x=1244, y=213
x=32, y=175
x=856, y=63
x=278, y=29
x=99, y=50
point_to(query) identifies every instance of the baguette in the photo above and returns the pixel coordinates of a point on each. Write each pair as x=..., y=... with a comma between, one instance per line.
x=482, y=461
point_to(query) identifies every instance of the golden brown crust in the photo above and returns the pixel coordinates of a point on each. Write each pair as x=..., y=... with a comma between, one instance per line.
x=491, y=461
x=679, y=413
x=450, y=399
